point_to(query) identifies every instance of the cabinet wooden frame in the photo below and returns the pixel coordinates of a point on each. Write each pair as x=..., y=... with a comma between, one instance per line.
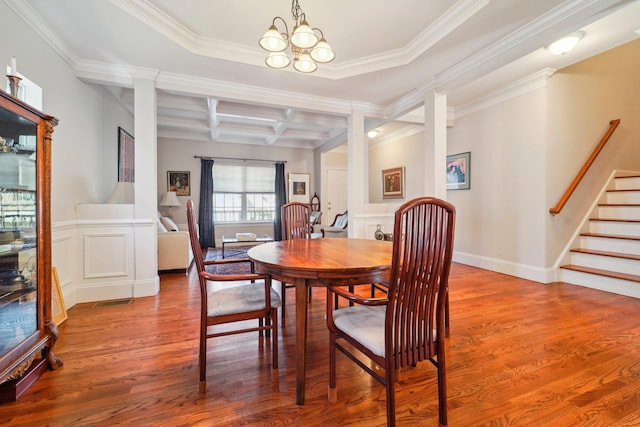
x=21, y=365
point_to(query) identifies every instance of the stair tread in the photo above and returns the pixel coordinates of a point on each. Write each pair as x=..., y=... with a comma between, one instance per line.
x=611, y=236
x=633, y=205
x=614, y=220
x=607, y=273
x=607, y=253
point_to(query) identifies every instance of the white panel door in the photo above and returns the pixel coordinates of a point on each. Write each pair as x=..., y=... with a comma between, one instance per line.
x=336, y=194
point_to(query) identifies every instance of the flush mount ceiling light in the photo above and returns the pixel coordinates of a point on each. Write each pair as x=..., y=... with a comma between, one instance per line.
x=565, y=44
x=307, y=48
x=372, y=133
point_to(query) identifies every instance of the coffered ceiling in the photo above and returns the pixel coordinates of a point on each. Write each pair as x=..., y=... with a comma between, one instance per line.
x=213, y=85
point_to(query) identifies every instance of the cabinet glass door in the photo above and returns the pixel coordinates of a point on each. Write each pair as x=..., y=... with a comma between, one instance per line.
x=18, y=255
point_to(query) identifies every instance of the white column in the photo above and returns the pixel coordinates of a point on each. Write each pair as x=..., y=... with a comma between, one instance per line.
x=357, y=161
x=147, y=281
x=435, y=144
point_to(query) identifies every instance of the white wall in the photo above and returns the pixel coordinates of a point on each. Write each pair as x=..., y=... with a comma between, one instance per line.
x=500, y=219
x=407, y=152
x=178, y=155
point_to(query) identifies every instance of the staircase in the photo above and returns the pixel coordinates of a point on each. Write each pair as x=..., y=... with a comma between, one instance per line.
x=609, y=254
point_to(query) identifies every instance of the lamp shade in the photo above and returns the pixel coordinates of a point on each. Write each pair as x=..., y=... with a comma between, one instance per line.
x=277, y=60
x=123, y=193
x=273, y=41
x=170, y=199
x=322, y=52
x=303, y=36
x=304, y=63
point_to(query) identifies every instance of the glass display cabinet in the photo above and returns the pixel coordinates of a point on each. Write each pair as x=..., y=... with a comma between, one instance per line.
x=27, y=333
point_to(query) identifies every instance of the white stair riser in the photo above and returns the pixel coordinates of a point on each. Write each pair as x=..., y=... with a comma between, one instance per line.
x=615, y=227
x=608, y=284
x=627, y=183
x=630, y=197
x=624, y=246
x=619, y=212
x=619, y=265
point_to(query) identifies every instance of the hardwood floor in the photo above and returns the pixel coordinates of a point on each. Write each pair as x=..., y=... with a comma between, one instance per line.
x=520, y=354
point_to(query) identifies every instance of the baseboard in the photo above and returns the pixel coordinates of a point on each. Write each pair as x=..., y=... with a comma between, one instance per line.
x=529, y=272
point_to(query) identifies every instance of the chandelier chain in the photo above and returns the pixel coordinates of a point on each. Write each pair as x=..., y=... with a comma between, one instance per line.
x=296, y=11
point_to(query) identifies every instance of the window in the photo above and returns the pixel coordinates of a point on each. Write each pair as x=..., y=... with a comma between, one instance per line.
x=243, y=193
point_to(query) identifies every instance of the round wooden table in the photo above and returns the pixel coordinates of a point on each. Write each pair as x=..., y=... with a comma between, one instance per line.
x=316, y=262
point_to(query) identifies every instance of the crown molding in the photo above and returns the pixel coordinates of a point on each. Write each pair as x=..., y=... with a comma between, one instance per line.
x=31, y=17
x=476, y=63
x=517, y=88
x=155, y=18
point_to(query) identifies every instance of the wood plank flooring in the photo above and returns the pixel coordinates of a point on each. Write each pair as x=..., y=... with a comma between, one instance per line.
x=520, y=354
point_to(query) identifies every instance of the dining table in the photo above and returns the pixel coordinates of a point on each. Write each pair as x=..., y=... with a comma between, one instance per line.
x=318, y=262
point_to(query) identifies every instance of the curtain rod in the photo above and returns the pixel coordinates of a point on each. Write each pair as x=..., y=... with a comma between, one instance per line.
x=244, y=160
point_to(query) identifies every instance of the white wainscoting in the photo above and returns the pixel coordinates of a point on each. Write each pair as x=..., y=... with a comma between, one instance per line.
x=96, y=258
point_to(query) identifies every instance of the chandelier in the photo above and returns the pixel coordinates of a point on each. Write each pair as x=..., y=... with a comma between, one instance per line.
x=307, y=49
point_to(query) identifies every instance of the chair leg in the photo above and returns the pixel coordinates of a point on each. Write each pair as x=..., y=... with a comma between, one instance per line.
x=202, y=359
x=391, y=393
x=442, y=388
x=333, y=392
x=284, y=300
x=274, y=338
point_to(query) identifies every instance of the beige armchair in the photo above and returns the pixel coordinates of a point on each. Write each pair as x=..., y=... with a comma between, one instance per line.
x=174, y=249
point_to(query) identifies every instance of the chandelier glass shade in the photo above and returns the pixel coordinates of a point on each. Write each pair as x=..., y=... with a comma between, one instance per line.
x=306, y=47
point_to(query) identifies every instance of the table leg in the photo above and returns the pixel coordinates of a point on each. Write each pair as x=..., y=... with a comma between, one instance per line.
x=302, y=290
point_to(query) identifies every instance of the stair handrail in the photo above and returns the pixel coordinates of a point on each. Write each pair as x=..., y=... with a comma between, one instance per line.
x=613, y=124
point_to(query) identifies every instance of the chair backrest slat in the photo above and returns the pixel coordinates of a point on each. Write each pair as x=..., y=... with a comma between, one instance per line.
x=422, y=251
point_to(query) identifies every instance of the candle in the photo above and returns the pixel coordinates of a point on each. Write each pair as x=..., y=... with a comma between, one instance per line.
x=14, y=68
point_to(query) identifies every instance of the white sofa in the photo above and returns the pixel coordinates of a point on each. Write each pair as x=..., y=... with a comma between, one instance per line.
x=174, y=248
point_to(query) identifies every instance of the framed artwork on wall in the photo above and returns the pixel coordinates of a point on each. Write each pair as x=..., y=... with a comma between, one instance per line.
x=180, y=182
x=126, y=156
x=393, y=183
x=459, y=171
x=299, y=187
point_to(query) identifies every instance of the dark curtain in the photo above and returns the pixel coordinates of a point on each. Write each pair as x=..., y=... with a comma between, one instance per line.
x=205, y=221
x=281, y=199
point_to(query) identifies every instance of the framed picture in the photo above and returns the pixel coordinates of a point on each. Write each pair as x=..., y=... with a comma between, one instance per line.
x=180, y=182
x=459, y=171
x=393, y=183
x=126, y=156
x=58, y=309
x=299, y=187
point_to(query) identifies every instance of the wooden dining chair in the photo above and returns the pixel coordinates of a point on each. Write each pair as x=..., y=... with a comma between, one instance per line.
x=232, y=298
x=406, y=326
x=296, y=224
